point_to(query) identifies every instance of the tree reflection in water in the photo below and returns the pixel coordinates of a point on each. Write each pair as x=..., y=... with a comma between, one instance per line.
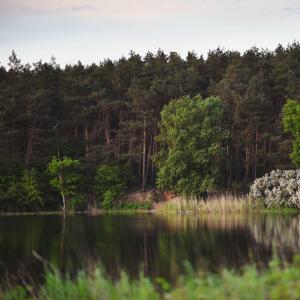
x=154, y=244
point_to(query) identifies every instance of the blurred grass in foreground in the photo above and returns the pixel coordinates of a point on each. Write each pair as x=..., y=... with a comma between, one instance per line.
x=279, y=281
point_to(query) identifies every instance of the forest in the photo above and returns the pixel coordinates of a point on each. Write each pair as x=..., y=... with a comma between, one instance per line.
x=108, y=113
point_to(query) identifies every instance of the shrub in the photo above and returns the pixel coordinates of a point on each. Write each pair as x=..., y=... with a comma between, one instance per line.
x=22, y=193
x=108, y=198
x=109, y=185
x=280, y=188
x=77, y=202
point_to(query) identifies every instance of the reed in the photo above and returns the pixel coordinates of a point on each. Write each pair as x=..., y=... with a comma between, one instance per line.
x=224, y=203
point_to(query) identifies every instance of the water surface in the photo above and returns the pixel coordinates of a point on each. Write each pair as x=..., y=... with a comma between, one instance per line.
x=155, y=244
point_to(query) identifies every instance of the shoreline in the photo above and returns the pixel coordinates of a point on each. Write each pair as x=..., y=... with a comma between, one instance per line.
x=99, y=212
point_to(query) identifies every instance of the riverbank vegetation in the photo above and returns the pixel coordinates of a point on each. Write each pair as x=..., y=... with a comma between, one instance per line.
x=276, y=282
x=224, y=203
x=115, y=117
x=278, y=189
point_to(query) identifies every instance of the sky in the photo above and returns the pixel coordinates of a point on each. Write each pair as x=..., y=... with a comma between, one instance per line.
x=93, y=30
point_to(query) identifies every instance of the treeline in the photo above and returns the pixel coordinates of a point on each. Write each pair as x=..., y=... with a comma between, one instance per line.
x=109, y=112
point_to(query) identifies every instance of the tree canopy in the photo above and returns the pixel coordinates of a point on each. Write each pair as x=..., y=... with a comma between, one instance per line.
x=65, y=179
x=191, y=140
x=291, y=122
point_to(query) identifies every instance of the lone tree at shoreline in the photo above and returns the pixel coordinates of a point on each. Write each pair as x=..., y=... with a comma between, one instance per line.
x=64, y=177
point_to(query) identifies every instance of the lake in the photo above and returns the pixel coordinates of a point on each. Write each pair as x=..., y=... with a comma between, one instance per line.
x=154, y=244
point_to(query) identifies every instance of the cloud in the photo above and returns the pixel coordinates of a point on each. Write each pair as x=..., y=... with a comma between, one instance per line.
x=143, y=9
x=46, y=6
x=291, y=10
x=122, y=9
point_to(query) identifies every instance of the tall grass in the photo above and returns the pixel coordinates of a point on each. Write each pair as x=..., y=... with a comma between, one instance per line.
x=274, y=283
x=225, y=203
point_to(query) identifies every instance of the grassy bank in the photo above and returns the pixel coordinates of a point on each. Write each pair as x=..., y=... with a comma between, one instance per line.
x=276, y=282
x=225, y=203
x=145, y=202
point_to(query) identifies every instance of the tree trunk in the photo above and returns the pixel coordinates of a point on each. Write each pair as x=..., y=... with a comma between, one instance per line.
x=130, y=151
x=29, y=147
x=64, y=198
x=86, y=139
x=150, y=148
x=255, y=153
x=229, y=166
x=237, y=165
x=76, y=133
x=246, y=166
x=64, y=202
x=144, y=154
x=107, y=129
x=152, y=161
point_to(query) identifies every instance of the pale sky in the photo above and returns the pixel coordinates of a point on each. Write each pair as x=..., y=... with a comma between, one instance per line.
x=92, y=30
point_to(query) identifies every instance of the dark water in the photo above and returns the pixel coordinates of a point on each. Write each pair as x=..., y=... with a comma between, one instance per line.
x=154, y=244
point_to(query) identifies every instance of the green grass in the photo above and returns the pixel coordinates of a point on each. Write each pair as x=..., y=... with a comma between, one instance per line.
x=142, y=205
x=277, y=282
x=225, y=204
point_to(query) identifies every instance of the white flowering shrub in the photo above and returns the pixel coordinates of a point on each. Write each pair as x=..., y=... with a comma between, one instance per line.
x=279, y=188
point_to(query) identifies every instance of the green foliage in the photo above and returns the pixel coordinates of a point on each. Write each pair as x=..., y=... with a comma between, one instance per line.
x=77, y=202
x=30, y=186
x=65, y=177
x=138, y=205
x=107, y=112
x=109, y=185
x=275, y=283
x=192, y=135
x=291, y=123
x=108, y=198
x=23, y=193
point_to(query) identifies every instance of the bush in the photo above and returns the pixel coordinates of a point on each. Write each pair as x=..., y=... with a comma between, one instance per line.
x=280, y=188
x=109, y=185
x=77, y=202
x=108, y=198
x=22, y=193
